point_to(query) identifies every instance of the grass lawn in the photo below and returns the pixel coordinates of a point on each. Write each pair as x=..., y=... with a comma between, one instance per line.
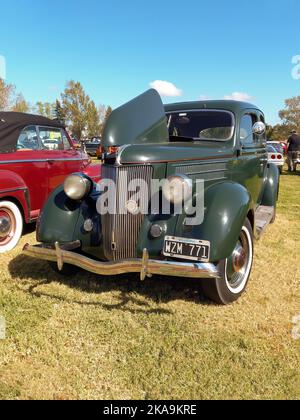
x=118, y=338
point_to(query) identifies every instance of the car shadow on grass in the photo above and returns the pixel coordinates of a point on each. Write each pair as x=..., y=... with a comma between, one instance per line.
x=157, y=290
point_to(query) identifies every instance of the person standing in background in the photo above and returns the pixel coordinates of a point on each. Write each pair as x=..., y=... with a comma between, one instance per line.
x=293, y=149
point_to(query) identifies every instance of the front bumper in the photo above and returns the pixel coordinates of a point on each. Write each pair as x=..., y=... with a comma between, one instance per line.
x=145, y=266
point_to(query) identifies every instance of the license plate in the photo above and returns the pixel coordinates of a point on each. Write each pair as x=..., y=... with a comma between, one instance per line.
x=187, y=249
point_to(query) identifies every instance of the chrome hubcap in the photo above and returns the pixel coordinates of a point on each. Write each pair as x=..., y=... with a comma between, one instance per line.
x=238, y=263
x=5, y=226
x=239, y=258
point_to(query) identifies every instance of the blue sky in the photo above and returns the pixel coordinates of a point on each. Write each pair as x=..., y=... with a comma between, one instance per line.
x=117, y=48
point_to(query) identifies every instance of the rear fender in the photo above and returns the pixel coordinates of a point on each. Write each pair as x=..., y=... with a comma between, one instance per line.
x=271, y=190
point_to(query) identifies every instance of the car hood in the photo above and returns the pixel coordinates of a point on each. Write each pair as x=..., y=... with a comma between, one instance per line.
x=140, y=121
x=173, y=152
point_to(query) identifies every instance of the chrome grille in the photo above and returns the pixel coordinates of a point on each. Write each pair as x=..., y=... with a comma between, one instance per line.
x=121, y=231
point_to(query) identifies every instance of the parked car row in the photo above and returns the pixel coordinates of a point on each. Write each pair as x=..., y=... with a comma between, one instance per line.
x=36, y=155
x=91, y=146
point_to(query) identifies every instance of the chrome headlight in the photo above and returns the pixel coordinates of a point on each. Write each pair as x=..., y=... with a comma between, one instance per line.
x=178, y=189
x=77, y=186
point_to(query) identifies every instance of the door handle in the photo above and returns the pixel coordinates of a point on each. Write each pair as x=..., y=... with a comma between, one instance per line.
x=50, y=161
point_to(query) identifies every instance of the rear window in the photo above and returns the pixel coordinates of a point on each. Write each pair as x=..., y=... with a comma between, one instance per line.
x=201, y=125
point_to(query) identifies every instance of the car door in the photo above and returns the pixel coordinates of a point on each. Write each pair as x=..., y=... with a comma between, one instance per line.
x=62, y=158
x=30, y=163
x=75, y=159
x=251, y=165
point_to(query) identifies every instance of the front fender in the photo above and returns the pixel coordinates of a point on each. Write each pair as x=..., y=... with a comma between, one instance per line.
x=271, y=189
x=13, y=187
x=226, y=208
x=62, y=220
x=93, y=172
x=58, y=218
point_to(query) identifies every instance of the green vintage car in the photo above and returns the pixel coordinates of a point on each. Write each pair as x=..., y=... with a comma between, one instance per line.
x=207, y=160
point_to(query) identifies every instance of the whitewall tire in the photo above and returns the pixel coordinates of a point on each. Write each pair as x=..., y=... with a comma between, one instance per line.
x=234, y=271
x=11, y=226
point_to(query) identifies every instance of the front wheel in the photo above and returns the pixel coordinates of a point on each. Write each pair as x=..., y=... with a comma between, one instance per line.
x=234, y=271
x=11, y=226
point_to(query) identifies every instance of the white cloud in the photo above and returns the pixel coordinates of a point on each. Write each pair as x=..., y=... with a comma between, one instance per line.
x=165, y=88
x=239, y=96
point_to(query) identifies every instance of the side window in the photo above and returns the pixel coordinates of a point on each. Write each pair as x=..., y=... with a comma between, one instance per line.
x=28, y=139
x=66, y=142
x=247, y=137
x=51, y=138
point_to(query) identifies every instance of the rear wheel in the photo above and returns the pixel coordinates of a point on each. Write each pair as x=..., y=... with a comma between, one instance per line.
x=234, y=271
x=11, y=226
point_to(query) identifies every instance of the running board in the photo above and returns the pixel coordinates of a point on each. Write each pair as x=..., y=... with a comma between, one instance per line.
x=263, y=218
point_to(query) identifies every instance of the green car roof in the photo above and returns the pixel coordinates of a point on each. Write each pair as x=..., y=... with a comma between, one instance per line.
x=233, y=106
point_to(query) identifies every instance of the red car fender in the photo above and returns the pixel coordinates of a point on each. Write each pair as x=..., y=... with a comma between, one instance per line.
x=13, y=187
x=94, y=172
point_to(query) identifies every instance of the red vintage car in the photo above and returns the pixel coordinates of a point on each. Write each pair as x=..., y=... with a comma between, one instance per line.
x=36, y=154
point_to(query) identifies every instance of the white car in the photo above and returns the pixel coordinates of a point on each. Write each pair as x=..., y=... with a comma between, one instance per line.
x=274, y=156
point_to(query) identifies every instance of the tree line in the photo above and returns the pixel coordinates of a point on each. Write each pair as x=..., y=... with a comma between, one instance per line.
x=84, y=119
x=290, y=117
x=74, y=108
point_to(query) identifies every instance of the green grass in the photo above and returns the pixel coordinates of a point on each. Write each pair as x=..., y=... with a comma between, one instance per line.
x=118, y=338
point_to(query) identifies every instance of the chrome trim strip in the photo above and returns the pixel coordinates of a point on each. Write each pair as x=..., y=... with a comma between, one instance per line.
x=145, y=266
x=7, y=162
x=13, y=190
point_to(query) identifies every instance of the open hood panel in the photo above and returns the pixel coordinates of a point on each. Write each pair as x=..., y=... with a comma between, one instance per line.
x=140, y=121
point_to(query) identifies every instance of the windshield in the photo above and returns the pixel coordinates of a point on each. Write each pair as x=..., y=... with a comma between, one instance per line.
x=201, y=125
x=277, y=147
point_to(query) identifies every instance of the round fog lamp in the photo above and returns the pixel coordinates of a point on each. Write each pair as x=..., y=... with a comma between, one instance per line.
x=88, y=225
x=156, y=231
x=77, y=186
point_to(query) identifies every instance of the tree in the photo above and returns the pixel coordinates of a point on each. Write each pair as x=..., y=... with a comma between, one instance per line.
x=75, y=104
x=93, y=121
x=10, y=100
x=108, y=111
x=59, y=112
x=279, y=132
x=107, y=114
x=20, y=105
x=6, y=93
x=46, y=109
x=102, y=112
x=291, y=114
